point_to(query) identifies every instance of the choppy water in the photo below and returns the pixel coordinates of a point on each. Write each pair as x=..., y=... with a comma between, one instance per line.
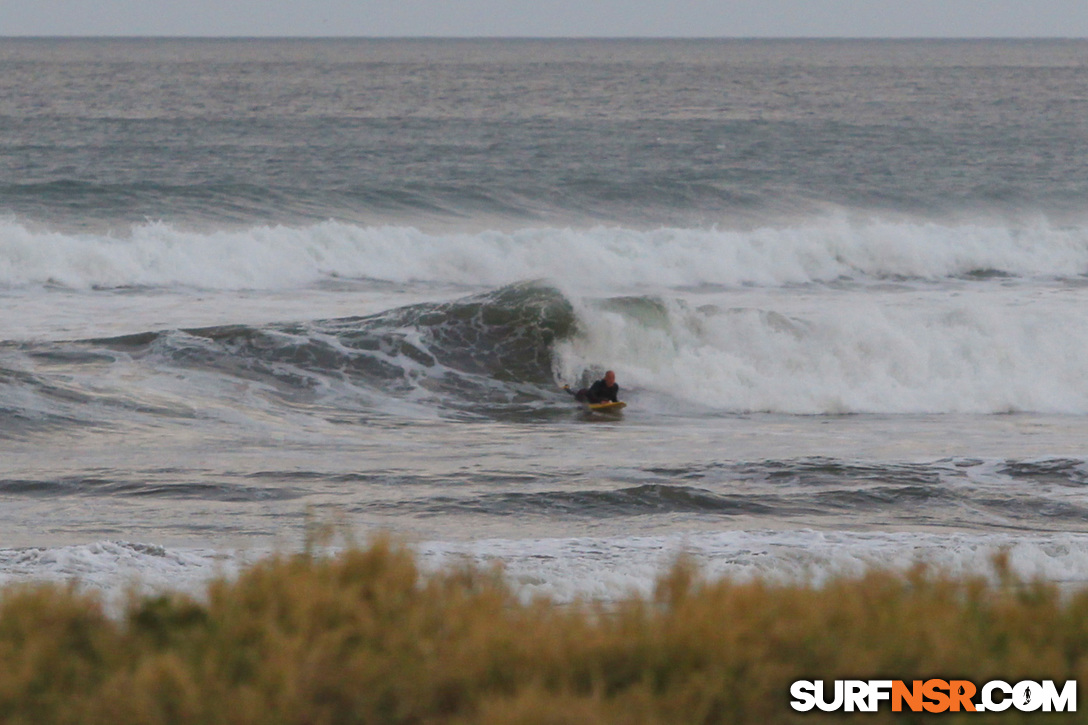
x=842, y=285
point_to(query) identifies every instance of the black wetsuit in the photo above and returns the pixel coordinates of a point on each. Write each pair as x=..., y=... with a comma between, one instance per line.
x=599, y=392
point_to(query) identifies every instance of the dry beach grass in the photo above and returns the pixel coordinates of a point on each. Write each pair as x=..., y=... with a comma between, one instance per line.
x=365, y=637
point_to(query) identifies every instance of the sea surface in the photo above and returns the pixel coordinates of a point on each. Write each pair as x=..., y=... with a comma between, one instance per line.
x=253, y=286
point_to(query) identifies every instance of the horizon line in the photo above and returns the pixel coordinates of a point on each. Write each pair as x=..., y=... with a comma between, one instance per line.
x=557, y=37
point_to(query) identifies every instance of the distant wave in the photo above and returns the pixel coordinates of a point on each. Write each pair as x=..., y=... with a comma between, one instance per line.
x=821, y=250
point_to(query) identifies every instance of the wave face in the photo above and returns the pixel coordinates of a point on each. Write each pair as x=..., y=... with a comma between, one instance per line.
x=820, y=250
x=501, y=353
x=484, y=355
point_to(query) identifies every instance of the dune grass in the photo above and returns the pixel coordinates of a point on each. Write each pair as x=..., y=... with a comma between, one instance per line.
x=366, y=637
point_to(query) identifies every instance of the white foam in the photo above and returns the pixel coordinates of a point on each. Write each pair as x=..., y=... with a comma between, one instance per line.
x=990, y=349
x=115, y=568
x=607, y=569
x=278, y=257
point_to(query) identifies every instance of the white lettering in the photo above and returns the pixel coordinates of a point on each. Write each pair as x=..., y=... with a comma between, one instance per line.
x=834, y=704
x=987, y=696
x=857, y=695
x=879, y=690
x=804, y=698
x=1064, y=702
x=995, y=695
x=1027, y=696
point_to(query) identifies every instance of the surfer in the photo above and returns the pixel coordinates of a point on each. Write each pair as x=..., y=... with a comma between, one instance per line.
x=603, y=390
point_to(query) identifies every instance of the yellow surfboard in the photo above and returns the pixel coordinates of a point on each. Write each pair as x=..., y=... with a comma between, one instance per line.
x=608, y=407
x=605, y=407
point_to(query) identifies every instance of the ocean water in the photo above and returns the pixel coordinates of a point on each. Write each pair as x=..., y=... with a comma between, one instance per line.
x=252, y=284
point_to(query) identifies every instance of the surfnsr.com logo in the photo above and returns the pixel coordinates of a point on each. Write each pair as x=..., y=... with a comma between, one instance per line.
x=933, y=696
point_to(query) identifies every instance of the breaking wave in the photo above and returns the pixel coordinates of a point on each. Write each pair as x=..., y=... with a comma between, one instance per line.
x=501, y=353
x=823, y=353
x=820, y=250
x=485, y=354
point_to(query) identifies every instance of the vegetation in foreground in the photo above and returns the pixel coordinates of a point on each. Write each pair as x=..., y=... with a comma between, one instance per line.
x=365, y=637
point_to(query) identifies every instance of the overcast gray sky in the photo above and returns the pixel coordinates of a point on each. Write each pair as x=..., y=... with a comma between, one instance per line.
x=565, y=18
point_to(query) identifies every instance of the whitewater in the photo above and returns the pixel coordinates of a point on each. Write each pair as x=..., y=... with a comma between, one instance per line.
x=833, y=317
x=823, y=250
x=343, y=281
